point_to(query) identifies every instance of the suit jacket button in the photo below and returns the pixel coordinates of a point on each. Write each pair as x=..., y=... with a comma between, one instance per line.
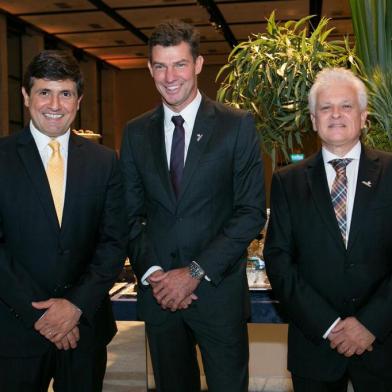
x=354, y=299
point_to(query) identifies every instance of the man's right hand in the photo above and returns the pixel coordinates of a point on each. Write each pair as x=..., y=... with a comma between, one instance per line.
x=70, y=340
x=349, y=337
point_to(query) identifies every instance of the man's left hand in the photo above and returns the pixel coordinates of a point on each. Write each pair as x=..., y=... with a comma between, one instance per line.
x=60, y=318
x=350, y=337
x=171, y=288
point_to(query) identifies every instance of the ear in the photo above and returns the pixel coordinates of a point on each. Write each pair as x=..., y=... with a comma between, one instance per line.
x=26, y=97
x=313, y=118
x=79, y=100
x=199, y=64
x=150, y=67
x=363, y=118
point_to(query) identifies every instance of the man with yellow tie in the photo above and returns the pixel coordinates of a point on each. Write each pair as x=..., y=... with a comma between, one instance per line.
x=62, y=237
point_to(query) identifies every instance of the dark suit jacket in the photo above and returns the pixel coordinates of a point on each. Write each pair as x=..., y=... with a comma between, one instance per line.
x=316, y=278
x=38, y=260
x=220, y=208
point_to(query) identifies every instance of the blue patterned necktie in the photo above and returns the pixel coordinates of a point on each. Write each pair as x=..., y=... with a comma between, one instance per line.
x=339, y=193
x=177, y=153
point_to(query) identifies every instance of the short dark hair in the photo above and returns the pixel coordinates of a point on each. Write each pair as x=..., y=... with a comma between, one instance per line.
x=53, y=65
x=172, y=33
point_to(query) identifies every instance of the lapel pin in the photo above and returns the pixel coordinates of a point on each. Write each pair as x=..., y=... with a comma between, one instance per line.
x=199, y=136
x=367, y=183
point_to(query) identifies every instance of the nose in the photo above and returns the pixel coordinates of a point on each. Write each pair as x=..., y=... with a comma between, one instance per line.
x=54, y=103
x=335, y=112
x=170, y=75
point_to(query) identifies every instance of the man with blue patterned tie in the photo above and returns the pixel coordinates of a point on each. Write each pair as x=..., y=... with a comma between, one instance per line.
x=328, y=248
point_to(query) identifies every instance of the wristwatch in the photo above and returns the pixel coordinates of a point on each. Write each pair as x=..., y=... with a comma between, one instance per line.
x=196, y=271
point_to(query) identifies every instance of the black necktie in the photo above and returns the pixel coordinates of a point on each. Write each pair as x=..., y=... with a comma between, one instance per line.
x=177, y=153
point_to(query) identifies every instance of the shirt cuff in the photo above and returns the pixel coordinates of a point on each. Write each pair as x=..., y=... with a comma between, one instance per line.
x=331, y=328
x=149, y=272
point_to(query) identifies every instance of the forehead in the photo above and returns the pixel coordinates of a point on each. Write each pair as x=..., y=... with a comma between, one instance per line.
x=337, y=91
x=55, y=85
x=172, y=53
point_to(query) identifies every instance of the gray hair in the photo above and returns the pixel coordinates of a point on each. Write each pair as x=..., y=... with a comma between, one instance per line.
x=328, y=75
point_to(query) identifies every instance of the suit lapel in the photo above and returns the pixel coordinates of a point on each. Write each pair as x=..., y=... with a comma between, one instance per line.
x=75, y=173
x=202, y=131
x=157, y=139
x=29, y=155
x=318, y=184
x=369, y=171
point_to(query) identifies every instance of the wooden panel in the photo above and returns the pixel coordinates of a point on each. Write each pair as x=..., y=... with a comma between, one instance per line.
x=147, y=17
x=243, y=31
x=28, y=6
x=72, y=22
x=212, y=59
x=207, y=33
x=255, y=11
x=89, y=106
x=119, y=52
x=216, y=59
x=100, y=38
x=129, y=63
x=146, y=3
x=336, y=8
x=215, y=47
x=342, y=26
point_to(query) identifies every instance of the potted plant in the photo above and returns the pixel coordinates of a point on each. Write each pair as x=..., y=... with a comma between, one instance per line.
x=271, y=74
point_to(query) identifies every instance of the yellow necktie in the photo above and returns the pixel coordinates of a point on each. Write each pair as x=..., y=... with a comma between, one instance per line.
x=55, y=173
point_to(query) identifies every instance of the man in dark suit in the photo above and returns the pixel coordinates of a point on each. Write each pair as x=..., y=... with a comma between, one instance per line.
x=62, y=240
x=190, y=224
x=328, y=248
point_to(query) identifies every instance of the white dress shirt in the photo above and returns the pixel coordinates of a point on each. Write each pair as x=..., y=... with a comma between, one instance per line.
x=352, y=177
x=189, y=115
x=42, y=141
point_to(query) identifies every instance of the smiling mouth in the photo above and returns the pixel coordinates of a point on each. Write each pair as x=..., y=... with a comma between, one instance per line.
x=336, y=126
x=51, y=116
x=172, y=89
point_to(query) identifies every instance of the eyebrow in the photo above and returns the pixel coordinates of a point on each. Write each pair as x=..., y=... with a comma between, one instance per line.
x=175, y=62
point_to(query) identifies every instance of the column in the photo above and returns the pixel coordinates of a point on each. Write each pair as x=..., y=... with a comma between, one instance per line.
x=89, y=106
x=110, y=131
x=4, y=126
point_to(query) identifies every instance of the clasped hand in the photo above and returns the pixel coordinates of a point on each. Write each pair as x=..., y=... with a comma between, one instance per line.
x=59, y=323
x=350, y=337
x=173, y=289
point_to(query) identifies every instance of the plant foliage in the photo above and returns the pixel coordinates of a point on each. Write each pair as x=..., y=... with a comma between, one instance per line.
x=373, y=35
x=271, y=74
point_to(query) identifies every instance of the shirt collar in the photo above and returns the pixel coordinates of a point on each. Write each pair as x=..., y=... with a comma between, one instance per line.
x=188, y=113
x=354, y=153
x=42, y=140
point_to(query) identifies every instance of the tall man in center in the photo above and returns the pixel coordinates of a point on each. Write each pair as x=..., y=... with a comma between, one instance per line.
x=195, y=199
